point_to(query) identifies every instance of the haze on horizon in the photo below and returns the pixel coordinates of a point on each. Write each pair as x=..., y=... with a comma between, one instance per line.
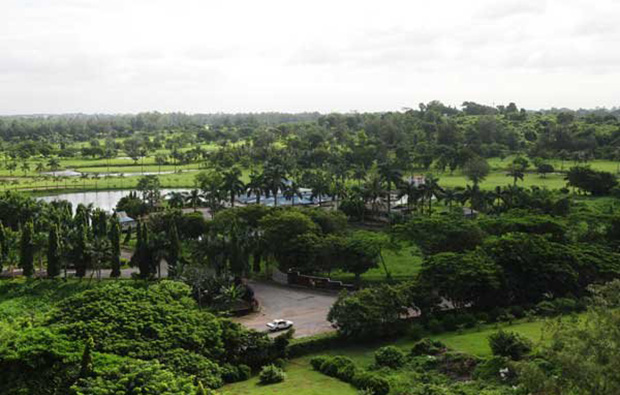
x=197, y=56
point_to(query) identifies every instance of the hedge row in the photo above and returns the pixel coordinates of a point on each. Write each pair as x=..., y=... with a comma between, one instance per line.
x=344, y=368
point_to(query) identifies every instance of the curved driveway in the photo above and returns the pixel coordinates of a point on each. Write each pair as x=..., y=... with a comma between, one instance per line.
x=306, y=308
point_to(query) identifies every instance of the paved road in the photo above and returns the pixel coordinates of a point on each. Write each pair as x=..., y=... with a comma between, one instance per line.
x=306, y=308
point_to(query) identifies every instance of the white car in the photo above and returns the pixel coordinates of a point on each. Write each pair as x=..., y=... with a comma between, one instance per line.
x=278, y=325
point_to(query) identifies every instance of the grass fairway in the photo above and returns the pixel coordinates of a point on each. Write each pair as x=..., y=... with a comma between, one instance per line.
x=402, y=265
x=302, y=380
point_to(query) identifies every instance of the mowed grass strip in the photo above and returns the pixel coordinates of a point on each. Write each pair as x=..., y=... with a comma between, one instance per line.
x=303, y=380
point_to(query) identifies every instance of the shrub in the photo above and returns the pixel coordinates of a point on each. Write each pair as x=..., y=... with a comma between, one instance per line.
x=434, y=325
x=332, y=366
x=416, y=332
x=232, y=374
x=509, y=344
x=449, y=322
x=517, y=311
x=389, y=356
x=244, y=372
x=316, y=362
x=427, y=347
x=546, y=308
x=458, y=363
x=192, y=364
x=280, y=362
x=368, y=381
x=312, y=344
x=496, y=313
x=147, y=377
x=565, y=305
x=347, y=372
x=489, y=369
x=271, y=374
x=467, y=320
x=482, y=317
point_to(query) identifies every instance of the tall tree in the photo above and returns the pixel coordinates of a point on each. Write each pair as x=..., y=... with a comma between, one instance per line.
x=232, y=184
x=115, y=243
x=174, y=250
x=26, y=247
x=390, y=175
x=53, y=253
x=4, y=246
x=80, y=253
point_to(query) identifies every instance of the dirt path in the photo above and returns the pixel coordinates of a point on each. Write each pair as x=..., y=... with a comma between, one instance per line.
x=306, y=308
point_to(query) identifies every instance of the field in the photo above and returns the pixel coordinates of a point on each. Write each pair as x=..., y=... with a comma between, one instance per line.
x=301, y=379
x=28, y=175
x=402, y=264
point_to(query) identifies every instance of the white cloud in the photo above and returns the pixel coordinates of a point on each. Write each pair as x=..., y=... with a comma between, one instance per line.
x=200, y=55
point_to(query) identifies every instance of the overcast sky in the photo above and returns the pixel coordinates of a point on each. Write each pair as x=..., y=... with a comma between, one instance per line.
x=111, y=56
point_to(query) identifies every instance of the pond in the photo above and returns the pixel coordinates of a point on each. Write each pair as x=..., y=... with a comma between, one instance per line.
x=105, y=200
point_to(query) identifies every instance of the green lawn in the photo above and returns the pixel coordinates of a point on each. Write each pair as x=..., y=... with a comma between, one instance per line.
x=303, y=380
x=300, y=380
x=402, y=265
x=30, y=179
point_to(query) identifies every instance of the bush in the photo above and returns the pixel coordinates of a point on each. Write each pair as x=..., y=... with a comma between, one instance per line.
x=496, y=313
x=489, y=369
x=517, y=311
x=192, y=364
x=434, y=325
x=449, y=322
x=546, y=308
x=280, y=362
x=271, y=374
x=316, y=362
x=332, y=366
x=467, y=320
x=458, y=364
x=565, y=305
x=427, y=347
x=368, y=381
x=312, y=344
x=390, y=357
x=509, y=344
x=233, y=374
x=347, y=372
x=482, y=317
x=416, y=332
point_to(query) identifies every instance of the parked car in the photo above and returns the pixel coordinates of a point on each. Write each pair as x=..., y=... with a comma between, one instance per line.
x=278, y=325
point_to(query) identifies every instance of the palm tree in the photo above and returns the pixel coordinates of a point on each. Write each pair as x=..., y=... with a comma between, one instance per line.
x=291, y=191
x=450, y=196
x=176, y=199
x=274, y=177
x=374, y=190
x=391, y=176
x=39, y=167
x=11, y=167
x=256, y=186
x=320, y=185
x=100, y=251
x=516, y=172
x=232, y=184
x=193, y=198
x=160, y=160
x=84, y=177
x=25, y=167
x=411, y=191
x=96, y=178
x=53, y=164
x=431, y=189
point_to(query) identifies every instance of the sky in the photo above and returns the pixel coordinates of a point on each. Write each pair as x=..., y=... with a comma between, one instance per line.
x=204, y=56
